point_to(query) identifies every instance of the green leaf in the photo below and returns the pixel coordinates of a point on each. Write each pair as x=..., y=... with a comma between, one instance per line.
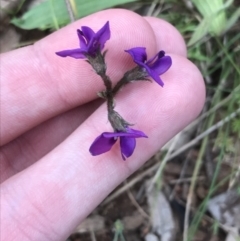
x=214, y=7
x=53, y=13
x=214, y=18
x=201, y=30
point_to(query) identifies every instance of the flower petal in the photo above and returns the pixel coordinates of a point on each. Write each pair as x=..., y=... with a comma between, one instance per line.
x=130, y=133
x=90, y=42
x=154, y=75
x=162, y=65
x=138, y=54
x=102, y=144
x=88, y=33
x=82, y=40
x=150, y=61
x=103, y=35
x=136, y=133
x=74, y=53
x=127, y=145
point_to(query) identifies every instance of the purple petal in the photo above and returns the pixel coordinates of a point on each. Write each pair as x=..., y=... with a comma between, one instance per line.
x=130, y=133
x=74, y=53
x=82, y=40
x=155, y=76
x=138, y=54
x=102, y=144
x=161, y=54
x=150, y=61
x=162, y=65
x=88, y=33
x=137, y=133
x=127, y=145
x=103, y=35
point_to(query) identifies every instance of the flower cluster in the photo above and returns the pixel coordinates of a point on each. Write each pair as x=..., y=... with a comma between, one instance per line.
x=106, y=140
x=90, y=42
x=91, y=49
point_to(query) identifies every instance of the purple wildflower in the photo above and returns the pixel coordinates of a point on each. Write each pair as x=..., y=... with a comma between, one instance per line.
x=106, y=140
x=155, y=66
x=90, y=42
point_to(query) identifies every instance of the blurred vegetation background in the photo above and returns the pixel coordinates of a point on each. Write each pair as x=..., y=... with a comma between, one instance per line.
x=198, y=172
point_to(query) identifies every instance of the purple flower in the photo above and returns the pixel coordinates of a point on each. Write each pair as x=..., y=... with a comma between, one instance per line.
x=106, y=140
x=90, y=42
x=155, y=66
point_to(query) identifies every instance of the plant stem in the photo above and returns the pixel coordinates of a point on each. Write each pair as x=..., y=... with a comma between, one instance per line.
x=108, y=92
x=135, y=74
x=70, y=10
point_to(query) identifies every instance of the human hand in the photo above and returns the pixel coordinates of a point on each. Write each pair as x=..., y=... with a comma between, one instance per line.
x=51, y=115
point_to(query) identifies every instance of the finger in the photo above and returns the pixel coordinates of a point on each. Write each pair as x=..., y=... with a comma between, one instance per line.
x=70, y=179
x=42, y=139
x=27, y=141
x=164, y=33
x=37, y=84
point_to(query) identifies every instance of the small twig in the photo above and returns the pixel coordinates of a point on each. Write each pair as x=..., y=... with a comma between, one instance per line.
x=70, y=11
x=215, y=108
x=187, y=179
x=152, y=7
x=130, y=184
x=171, y=196
x=205, y=133
x=93, y=237
x=164, y=162
x=135, y=203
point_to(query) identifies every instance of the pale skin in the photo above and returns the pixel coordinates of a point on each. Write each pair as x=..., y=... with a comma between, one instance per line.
x=50, y=115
